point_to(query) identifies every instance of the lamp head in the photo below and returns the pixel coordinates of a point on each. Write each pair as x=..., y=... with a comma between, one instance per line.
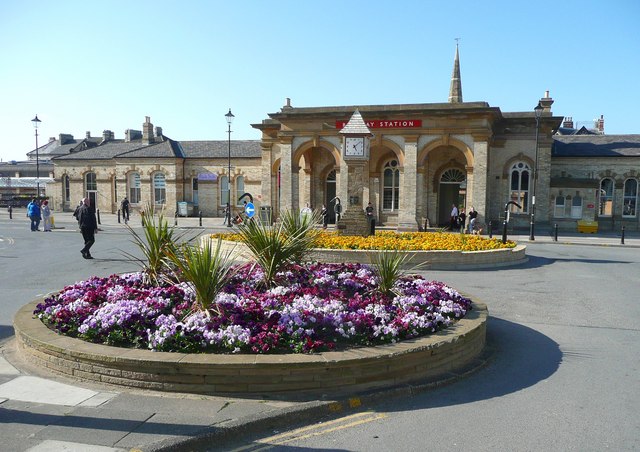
x=36, y=122
x=538, y=110
x=229, y=116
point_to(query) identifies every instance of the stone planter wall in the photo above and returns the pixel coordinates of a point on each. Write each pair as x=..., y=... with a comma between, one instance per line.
x=420, y=360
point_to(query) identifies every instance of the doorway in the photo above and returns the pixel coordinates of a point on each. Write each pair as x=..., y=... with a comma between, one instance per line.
x=452, y=190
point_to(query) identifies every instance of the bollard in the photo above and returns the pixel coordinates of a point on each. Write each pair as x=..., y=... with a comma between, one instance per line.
x=200, y=217
x=118, y=215
x=622, y=236
x=555, y=232
x=490, y=230
x=98, y=215
x=504, y=231
x=10, y=213
x=175, y=219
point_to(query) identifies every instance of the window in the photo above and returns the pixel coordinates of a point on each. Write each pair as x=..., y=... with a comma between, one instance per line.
x=90, y=183
x=65, y=187
x=576, y=207
x=519, y=183
x=558, y=210
x=224, y=190
x=239, y=189
x=134, y=188
x=606, y=198
x=630, y=201
x=391, y=186
x=159, y=189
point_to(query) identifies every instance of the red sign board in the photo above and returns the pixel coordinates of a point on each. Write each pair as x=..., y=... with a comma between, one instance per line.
x=386, y=123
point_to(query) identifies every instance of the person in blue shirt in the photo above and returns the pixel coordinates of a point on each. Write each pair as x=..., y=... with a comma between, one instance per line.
x=33, y=212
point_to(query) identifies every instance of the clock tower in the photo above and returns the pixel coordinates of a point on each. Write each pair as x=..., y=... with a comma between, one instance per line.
x=356, y=146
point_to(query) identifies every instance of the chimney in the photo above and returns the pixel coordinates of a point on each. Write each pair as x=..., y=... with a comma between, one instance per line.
x=158, y=131
x=107, y=135
x=546, y=102
x=568, y=122
x=600, y=125
x=65, y=138
x=147, y=131
x=51, y=139
x=88, y=135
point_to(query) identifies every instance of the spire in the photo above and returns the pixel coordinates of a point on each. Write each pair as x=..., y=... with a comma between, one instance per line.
x=455, y=92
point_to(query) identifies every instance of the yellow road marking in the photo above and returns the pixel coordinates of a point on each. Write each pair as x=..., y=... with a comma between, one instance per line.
x=313, y=430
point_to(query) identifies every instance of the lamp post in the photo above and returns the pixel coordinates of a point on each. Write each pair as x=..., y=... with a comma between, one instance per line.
x=36, y=122
x=538, y=113
x=229, y=117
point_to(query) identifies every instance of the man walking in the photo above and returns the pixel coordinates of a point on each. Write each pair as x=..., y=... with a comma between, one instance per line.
x=125, y=210
x=88, y=227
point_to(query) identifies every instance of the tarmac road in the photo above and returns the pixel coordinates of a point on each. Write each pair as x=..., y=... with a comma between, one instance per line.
x=564, y=334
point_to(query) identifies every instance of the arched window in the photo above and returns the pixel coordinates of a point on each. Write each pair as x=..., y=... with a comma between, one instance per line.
x=65, y=188
x=391, y=184
x=519, y=178
x=558, y=210
x=630, y=201
x=576, y=207
x=133, y=184
x=606, y=198
x=239, y=189
x=159, y=189
x=90, y=183
x=224, y=190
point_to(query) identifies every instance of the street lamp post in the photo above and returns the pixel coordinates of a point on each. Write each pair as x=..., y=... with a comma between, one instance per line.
x=36, y=122
x=538, y=113
x=229, y=117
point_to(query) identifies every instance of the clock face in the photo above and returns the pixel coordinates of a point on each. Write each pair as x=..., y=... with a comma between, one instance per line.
x=354, y=146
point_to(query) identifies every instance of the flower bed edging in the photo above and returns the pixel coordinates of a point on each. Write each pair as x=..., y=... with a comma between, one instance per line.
x=433, y=260
x=357, y=369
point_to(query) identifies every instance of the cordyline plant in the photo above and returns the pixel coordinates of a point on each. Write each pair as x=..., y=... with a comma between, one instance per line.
x=275, y=247
x=159, y=239
x=205, y=269
x=388, y=268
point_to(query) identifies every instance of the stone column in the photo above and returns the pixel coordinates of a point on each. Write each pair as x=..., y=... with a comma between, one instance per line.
x=286, y=176
x=267, y=181
x=478, y=184
x=408, y=189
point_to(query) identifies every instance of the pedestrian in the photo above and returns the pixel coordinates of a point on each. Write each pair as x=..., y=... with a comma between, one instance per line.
x=305, y=214
x=33, y=212
x=472, y=220
x=76, y=213
x=453, y=220
x=337, y=208
x=88, y=227
x=325, y=216
x=125, y=209
x=46, y=216
x=462, y=218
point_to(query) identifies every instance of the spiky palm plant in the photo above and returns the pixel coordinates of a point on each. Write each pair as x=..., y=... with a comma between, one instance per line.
x=388, y=267
x=157, y=240
x=206, y=269
x=273, y=248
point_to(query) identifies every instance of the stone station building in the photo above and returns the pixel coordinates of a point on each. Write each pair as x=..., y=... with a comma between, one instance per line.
x=419, y=160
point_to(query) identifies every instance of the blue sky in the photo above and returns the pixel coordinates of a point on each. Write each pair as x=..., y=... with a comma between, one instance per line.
x=93, y=65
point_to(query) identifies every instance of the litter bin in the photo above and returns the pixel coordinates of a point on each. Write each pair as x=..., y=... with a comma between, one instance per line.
x=182, y=209
x=265, y=214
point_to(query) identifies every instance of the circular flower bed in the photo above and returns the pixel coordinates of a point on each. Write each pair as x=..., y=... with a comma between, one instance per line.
x=406, y=241
x=322, y=307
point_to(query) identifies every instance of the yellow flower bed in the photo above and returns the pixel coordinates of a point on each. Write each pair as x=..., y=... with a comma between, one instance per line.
x=415, y=241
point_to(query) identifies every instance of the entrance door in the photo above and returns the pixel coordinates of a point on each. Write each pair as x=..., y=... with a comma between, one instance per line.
x=452, y=190
x=330, y=190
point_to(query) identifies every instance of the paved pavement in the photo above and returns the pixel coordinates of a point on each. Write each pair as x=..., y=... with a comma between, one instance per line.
x=42, y=412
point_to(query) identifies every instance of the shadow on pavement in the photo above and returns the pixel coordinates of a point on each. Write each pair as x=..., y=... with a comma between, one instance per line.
x=6, y=331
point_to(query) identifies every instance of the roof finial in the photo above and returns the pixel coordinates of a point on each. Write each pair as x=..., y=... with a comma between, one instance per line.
x=455, y=92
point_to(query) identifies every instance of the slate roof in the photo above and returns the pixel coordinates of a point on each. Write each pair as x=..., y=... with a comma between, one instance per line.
x=54, y=148
x=596, y=146
x=167, y=148
x=218, y=149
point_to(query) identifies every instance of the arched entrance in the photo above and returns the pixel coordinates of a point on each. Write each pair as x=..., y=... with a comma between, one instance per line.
x=452, y=189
